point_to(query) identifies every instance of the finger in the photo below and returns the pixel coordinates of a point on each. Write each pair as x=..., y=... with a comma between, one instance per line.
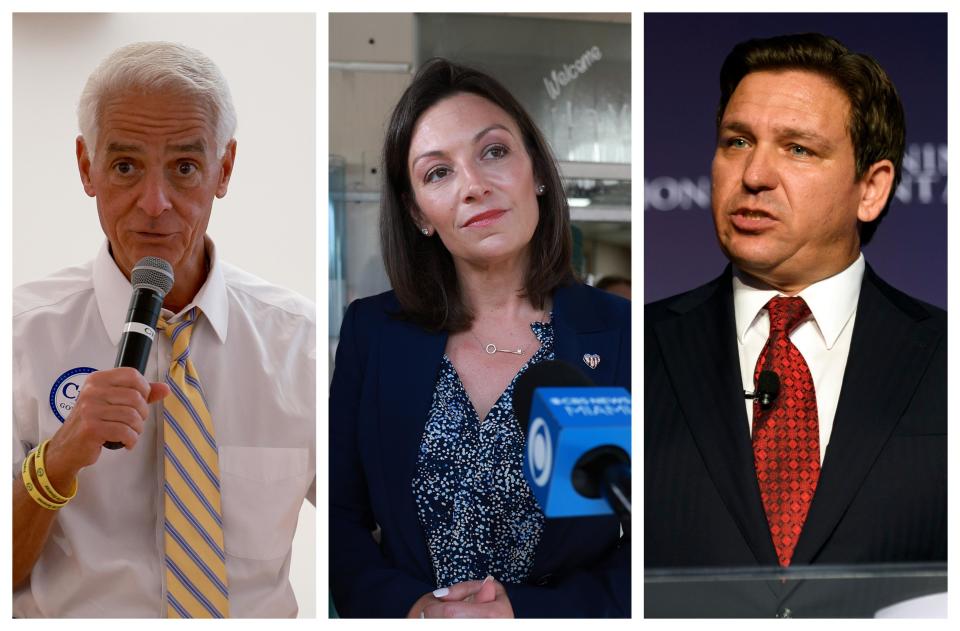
x=119, y=397
x=116, y=413
x=158, y=391
x=458, y=591
x=125, y=376
x=442, y=610
x=119, y=433
x=459, y=610
x=487, y=592
x=130, y=442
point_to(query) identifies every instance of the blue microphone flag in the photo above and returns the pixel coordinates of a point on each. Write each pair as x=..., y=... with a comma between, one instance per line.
x=565, y=423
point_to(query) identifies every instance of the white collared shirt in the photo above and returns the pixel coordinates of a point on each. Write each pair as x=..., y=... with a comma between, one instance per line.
x=823, y=339
x=254, y=350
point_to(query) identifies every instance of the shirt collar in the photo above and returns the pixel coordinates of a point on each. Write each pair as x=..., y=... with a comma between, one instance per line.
x=112, y=290
x=832, y=301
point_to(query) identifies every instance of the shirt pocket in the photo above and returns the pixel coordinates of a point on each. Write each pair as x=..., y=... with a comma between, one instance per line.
x=262, y=490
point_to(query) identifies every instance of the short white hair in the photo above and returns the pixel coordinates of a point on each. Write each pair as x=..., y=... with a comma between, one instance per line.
x=152, y=67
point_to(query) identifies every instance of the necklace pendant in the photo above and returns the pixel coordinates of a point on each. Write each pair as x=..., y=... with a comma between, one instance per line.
x=492, y=349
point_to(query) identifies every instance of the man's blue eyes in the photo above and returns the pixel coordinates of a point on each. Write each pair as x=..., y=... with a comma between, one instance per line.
x=797, y=150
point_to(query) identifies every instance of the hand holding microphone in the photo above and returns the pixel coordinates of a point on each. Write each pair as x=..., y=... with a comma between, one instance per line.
x=113, y=405
x=152, y=279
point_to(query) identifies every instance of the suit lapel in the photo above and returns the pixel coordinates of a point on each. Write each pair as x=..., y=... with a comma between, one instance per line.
x=410, y=359
x=699, y=348
x=889, y=352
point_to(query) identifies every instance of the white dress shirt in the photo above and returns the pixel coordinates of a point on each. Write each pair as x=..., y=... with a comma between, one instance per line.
x=823, y=339
x=254, y=350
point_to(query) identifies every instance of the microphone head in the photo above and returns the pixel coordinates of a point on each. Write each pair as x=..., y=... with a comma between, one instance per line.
x=152, y=273
x=768, y=387
x=769, y=381
x=548, y=374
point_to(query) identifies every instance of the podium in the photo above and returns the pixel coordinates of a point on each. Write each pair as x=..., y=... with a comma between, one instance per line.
x=812, y=591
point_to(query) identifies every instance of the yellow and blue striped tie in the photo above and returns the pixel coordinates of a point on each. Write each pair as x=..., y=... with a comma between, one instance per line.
x=193, y=524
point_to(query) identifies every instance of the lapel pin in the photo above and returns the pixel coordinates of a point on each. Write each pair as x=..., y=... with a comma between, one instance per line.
x=591, y=360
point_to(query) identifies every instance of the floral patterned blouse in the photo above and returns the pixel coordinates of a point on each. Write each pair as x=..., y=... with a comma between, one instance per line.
x=475, y=507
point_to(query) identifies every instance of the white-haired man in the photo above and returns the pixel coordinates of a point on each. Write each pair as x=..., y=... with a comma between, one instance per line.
x=195, y=516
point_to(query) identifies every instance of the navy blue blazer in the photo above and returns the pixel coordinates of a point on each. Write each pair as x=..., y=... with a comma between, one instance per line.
x=380, y=395
x=882, y=494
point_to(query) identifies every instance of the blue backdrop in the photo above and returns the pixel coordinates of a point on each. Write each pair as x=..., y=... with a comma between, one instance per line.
x=682, y=58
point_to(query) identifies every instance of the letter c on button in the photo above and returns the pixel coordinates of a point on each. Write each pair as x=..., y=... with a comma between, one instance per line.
x=66, y=391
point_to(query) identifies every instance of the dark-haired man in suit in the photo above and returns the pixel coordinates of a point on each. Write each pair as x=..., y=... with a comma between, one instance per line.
x=847, y=464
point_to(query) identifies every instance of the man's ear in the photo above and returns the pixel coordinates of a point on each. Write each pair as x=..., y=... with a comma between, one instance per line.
x=83, y=164
x=875, y=189
x=226, y=167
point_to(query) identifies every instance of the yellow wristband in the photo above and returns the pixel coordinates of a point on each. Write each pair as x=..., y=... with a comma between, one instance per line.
x=32, y=490
x=45, y=484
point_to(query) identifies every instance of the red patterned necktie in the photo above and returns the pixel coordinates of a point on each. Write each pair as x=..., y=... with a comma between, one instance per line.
x=786, y=435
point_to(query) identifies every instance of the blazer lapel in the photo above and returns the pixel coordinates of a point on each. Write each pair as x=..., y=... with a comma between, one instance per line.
x=409, y=361
x=889, y=352
x=699, y=348
x=580, y=333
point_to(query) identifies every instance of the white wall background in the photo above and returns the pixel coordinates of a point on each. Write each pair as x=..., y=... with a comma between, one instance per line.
x=265, y=224
x=269, y=62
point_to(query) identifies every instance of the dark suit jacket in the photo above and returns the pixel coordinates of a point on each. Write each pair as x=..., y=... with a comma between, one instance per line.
x=382, y=389
x=882, y=490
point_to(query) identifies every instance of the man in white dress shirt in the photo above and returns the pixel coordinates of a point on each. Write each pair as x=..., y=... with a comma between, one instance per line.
x=810, y=138
x=156, y=147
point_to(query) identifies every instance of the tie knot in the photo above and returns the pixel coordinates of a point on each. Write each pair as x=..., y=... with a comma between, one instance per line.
x=786, y=313
x=179, y=332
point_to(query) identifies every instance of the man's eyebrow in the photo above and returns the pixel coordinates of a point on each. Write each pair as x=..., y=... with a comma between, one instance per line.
x=119, y=147
x=795, y=133
x=194, y=146
x=480, y=134
x=735, y=126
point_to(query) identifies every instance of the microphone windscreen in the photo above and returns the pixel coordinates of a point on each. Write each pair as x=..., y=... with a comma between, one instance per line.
x=769, y=382
x=154, y=273
x=548, y=374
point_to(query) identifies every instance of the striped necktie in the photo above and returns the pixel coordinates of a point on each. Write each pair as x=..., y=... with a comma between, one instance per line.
x=193, y=525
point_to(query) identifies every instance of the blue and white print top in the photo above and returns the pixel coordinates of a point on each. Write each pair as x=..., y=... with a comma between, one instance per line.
x=475, y=507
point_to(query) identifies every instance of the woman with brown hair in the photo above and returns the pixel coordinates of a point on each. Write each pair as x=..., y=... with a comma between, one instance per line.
x=425, y=450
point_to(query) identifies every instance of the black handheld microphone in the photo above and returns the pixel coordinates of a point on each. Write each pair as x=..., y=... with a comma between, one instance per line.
x=768, y=387
x=152, y=279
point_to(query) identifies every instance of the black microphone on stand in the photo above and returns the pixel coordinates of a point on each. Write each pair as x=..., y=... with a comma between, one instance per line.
x=152, y=279
x=768, y=387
